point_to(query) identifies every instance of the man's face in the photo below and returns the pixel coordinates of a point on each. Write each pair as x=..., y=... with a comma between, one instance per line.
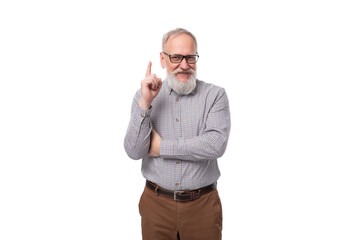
x=182, y=44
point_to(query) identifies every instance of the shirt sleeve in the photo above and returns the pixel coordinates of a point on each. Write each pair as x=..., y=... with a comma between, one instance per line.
x=211, y=143
x=137, y=138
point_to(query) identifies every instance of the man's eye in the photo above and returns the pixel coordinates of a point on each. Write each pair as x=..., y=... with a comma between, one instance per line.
x=176, y=58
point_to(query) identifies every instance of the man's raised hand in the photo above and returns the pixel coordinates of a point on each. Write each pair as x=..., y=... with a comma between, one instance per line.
x=150, y=88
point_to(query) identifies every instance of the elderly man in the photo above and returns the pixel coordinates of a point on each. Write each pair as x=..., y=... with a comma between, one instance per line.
x=179, y=127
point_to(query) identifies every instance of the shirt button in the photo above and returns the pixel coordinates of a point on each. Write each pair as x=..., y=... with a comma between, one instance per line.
x=142, y=115
x=177, y=119
x=177, y=184
x=136, y=132
x=177, y=162
x=177, y=99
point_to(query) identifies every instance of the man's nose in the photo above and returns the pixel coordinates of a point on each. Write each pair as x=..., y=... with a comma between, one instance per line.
x=184, y=65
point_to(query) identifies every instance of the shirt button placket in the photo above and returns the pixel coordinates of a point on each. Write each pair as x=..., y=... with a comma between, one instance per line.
x=178, y=134
x=177, y=107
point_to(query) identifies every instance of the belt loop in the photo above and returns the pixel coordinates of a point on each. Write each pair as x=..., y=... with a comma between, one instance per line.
x=156, y=190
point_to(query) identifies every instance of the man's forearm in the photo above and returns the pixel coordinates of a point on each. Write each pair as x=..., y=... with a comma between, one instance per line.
x=208, y=146
x=137, y=139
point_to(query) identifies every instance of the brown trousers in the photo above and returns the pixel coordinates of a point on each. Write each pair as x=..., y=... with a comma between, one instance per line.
x=165, y=218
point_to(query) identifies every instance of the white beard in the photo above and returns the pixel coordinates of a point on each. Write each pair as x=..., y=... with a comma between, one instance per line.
x=183, y=88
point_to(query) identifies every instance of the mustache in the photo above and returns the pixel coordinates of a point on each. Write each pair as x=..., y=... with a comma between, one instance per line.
x=176, y=71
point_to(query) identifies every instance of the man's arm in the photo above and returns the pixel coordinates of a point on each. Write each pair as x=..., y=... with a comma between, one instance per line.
x=211, y=144
x=137, y=139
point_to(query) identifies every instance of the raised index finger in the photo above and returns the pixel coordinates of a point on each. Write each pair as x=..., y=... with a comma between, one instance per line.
x=148, y=70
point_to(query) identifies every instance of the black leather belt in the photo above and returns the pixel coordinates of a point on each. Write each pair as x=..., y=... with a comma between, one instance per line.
x=186, y=195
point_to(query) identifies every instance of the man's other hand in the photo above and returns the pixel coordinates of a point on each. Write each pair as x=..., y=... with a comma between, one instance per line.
x=150, y=88
x=154, y=150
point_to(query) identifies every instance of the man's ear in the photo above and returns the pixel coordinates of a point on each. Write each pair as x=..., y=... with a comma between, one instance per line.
x=162, y=60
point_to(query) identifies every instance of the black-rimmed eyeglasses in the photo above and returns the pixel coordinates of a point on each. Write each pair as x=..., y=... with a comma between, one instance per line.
x=177, y=58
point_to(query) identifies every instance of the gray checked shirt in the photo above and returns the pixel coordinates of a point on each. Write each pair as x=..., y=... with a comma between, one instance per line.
x=194, y=129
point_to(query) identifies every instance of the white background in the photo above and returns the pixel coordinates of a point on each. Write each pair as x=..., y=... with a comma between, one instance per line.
x=69, y=70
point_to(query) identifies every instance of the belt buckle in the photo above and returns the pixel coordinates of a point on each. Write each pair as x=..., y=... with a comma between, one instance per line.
x=176, y=192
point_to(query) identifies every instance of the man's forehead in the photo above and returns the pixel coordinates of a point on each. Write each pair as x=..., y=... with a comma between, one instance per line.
x=182, y=42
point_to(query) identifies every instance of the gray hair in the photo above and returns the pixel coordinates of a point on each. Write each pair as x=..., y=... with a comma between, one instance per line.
x=174, y=33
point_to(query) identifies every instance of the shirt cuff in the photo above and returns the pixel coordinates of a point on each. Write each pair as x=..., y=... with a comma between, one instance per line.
x=140, y=115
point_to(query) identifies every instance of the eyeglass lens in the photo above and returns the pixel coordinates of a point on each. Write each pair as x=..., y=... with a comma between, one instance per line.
x=179, y=58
